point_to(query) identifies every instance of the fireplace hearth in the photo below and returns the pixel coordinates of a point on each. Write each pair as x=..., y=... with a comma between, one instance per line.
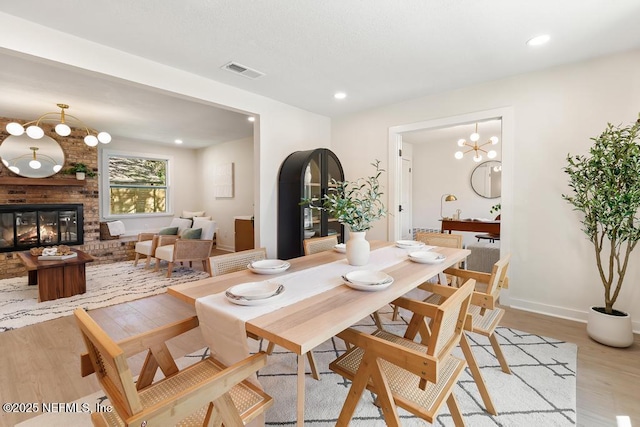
x=28, y=226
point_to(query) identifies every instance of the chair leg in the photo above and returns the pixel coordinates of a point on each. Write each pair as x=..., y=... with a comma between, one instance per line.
x=396, y=311
x=498, y=350
x=169, y=269
x=312, y=366
x=376, y=319
x=476, y=374
x=228, y=411
x=147, y=263
x=358, y=385
x=157, y=265
x=383, y=393
x=135, y=261
x=452, y=404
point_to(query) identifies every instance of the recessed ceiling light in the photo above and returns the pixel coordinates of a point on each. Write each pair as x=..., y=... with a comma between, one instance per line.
x=340, y=95
x=178, y=141
x=251, y=119
x=538, y=40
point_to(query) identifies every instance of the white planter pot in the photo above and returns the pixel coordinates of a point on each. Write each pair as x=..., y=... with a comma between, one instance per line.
x=80, y=176
x=608, y=329
x=358, y=248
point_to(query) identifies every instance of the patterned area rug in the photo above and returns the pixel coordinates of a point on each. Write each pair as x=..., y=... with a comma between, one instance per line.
x=107, y=284
x=541, y=391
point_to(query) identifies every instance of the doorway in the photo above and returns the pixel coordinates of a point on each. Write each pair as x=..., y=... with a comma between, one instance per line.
x=396, y=228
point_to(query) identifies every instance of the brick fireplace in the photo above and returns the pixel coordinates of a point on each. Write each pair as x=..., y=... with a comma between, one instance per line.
x=61, y=189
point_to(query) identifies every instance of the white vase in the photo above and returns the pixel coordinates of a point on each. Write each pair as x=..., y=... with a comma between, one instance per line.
x=80, y=176
x=358, y=248
x=608, y=329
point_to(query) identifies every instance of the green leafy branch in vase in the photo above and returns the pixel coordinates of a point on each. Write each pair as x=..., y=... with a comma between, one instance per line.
x=353, y=203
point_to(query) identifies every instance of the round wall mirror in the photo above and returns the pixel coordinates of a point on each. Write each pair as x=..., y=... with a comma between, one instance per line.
x=486, y=179
x=32, y=158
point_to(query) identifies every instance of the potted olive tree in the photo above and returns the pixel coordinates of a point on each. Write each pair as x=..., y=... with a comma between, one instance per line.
x=355, y=204
x=606, y=191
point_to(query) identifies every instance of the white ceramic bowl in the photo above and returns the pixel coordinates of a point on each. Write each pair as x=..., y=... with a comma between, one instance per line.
x=254, y=290
x=309, y=234
x=340, y=247
x=409, y=244
x=427, y=257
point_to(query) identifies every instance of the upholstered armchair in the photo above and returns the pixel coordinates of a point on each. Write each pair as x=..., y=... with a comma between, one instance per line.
x=193, y=244
x=148, y=242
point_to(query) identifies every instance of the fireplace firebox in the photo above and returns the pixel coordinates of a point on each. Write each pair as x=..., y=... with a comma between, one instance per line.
x=28, y=226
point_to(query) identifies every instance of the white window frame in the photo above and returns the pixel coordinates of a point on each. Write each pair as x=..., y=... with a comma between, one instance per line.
x=104, y=186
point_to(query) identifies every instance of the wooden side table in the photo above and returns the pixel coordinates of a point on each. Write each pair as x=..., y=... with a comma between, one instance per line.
x=243, y=234
x=58, y=278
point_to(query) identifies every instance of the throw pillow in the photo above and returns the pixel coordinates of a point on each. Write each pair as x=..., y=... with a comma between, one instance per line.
x=208, y=218
x=191, y=214
x=181, y=223
x=191, y=233
x=169, y=230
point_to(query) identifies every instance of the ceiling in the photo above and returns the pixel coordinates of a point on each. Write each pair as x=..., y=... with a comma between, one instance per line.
x=378, y=52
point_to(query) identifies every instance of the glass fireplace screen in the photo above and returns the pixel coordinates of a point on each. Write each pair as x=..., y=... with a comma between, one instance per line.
x=27, y=226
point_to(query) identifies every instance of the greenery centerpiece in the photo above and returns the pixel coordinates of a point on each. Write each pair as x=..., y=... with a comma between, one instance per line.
x=353, y=203
x=606, y=190
x=356, y=204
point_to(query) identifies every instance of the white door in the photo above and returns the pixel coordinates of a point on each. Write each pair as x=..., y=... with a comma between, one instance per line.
x=406, y=227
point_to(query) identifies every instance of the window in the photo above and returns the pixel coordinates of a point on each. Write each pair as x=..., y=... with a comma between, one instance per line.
x=137, y=185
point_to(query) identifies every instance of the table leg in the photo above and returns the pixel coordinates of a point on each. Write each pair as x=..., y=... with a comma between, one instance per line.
x=33, y=277
x=301, y=375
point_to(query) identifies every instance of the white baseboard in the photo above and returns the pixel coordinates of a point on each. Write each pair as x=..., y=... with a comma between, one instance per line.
x=555, y=311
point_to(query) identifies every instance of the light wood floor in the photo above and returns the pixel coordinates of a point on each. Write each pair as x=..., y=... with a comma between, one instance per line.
x=40, y=363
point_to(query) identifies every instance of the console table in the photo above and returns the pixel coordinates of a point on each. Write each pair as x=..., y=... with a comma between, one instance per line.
x=492, y=227
x=59, y=278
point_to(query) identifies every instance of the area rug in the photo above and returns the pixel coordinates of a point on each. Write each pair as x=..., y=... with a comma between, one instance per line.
x=541, y=391
x=107, y=284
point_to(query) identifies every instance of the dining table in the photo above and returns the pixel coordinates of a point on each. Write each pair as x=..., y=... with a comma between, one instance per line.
x=317, y=303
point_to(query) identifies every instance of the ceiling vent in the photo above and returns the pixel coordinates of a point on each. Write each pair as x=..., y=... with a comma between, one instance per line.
x=247, y=72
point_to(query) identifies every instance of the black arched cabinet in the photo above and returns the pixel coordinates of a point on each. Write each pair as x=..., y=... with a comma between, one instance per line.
x=305, y=174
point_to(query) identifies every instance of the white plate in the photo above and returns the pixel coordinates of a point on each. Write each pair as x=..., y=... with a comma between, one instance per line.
x=426, y=257
x=368, y=280
x=409, y=244
x=268, y=266
x=254, y=290
x=367, y=277
x=340, y=247
x=255, y=301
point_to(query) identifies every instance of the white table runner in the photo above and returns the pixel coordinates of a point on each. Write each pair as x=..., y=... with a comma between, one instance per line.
x=223, y=323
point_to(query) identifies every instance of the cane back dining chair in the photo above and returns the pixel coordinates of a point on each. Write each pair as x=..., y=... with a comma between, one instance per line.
x=237, y=261
x=402, y=373
x=484, y=314
x=319, y=244
x=437, y=239
x=203, y=394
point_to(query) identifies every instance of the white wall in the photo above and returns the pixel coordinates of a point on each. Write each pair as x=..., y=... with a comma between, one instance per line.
x=222, y=210
x=555, y=112
x=185, y=192
x=282, y=129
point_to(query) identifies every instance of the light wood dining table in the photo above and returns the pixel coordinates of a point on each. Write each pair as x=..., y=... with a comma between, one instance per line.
x=305, y=324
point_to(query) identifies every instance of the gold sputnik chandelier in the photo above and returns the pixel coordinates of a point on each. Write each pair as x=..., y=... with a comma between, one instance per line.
x=474, y=147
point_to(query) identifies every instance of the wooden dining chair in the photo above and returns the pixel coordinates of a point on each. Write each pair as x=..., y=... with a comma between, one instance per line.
x=402, y=373
x=445, y=240
x=237, y=261
x=484, y=314
x=319, y=244
x=205, y=393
